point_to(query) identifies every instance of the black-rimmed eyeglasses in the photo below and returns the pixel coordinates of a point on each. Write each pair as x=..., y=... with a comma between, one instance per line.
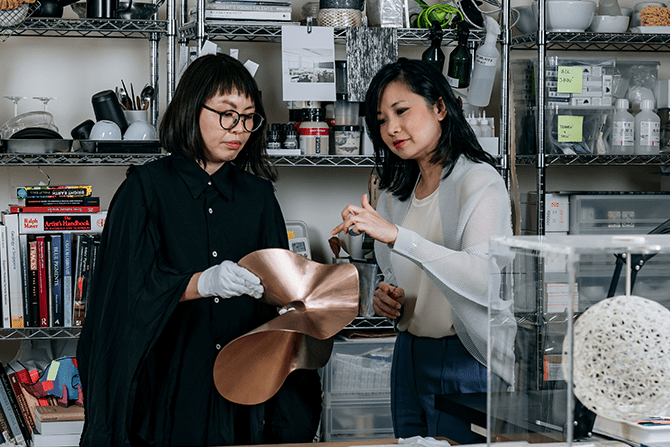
x=229, y=119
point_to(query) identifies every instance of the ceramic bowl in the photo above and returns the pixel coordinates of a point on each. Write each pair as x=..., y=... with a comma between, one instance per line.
x=639, y=6
x=568, y=16
x=609, y=24
x=635, y=20
x=527, y=22
x=140, y=130
x=628, y=12
x=105, y=130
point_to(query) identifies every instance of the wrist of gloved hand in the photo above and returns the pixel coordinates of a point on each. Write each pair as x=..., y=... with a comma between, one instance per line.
x=228, y=279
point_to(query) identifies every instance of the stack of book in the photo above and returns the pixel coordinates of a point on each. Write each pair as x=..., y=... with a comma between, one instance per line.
x=58, y=426
x=249, y=10
x=48, y=248
x=26, y=419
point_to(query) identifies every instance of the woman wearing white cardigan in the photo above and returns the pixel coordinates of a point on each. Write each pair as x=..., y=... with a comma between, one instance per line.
x=441, y=200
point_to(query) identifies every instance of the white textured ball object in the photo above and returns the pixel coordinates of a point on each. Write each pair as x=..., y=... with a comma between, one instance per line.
x=621, y=358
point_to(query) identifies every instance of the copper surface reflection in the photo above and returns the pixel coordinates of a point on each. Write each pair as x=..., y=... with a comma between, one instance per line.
x=322, y=298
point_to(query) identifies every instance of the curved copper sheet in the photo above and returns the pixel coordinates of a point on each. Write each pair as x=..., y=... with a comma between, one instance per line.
x=251, y=369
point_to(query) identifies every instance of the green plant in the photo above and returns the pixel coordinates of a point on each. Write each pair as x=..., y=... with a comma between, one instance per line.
x=440, y=13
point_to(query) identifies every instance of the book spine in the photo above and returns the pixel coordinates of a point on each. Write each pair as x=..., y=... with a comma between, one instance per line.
x=83, y=250
x=57, y=280
x=54, y=209
x=14, y=404
x=15, y=272
x=52, y=192
x=42, y=282
x=246, y=15
x=4, y=278
x=247, y=7
x=10, y=414
x=67, y=279
x=6, y=431
x=35, y=223
x=24, y=251
x=20, y=398
x=34, y=286
x=48, y=263
x=93, y=259
x=81, y=201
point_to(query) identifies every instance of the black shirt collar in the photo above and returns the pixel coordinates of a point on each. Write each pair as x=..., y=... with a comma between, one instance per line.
x=197, y=179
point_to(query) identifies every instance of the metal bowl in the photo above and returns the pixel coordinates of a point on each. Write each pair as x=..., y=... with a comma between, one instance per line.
x=137, y=10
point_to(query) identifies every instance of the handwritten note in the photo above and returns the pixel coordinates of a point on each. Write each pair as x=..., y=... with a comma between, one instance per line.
x=570, y=128
x=569, y=79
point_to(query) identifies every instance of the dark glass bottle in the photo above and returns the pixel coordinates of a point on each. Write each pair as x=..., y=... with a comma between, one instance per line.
x=460, y=60
x=434, y=53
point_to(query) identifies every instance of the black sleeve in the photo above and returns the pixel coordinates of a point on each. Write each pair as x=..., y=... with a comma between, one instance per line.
x=133, y=295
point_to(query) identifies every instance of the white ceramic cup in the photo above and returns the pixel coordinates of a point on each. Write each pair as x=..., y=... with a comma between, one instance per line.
x=136, y=115
x=105, y=130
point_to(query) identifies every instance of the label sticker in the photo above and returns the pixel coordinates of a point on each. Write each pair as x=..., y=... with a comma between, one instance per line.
x=569, y=80
x=570, y=128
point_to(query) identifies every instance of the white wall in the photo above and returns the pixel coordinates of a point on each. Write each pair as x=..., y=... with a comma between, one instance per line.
x=75, y=69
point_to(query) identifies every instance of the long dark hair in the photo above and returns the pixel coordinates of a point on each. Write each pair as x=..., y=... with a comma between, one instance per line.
x=395, y=174
x=206, y=77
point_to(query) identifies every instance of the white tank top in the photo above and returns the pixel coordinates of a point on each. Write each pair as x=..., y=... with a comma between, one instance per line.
x=427, y=312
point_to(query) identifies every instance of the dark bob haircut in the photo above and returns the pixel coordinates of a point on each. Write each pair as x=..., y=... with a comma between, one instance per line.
x=204, y=78
x=395, y=174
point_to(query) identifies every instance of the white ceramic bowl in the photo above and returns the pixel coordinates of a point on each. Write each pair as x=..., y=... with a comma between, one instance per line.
x=609, y=24
x=140, y=130
x=568, y=16
x=105, y=130
x=635, y=20
x=639, y=6
x=527, y=22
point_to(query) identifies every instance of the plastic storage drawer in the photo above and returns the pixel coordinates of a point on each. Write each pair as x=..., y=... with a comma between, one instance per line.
x=358, y=419
x=618, y=213
x=359, y=368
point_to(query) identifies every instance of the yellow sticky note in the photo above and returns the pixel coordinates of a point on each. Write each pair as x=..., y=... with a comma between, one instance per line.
x=570, y=128
x=53, y=370
x=290, y=234
x=569, y=79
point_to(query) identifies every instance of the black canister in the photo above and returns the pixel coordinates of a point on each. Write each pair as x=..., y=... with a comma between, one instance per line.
x=101, y=9
x=107, y=107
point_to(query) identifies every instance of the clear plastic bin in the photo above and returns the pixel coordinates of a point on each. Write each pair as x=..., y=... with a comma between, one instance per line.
x=359, y=368
x=625, y=213
x=362, y=419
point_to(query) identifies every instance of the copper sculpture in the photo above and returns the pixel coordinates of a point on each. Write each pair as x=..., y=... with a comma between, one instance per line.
x=320, y=300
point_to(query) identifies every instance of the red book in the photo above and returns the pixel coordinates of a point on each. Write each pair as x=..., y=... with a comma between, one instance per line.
x=26, y=412
x=42, y=281
x=54, y=209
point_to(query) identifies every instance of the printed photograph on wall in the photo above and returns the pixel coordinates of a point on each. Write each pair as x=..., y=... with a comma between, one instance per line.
x=308, y=64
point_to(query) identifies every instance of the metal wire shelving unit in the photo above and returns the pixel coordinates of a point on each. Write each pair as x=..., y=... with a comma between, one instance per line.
x=47, y=27
x=39, y=333
x=596, y=160
x=272, y=34
x=595, y=42
x=104, y=159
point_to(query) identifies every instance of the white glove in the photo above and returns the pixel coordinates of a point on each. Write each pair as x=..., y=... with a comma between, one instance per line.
x=227, y=280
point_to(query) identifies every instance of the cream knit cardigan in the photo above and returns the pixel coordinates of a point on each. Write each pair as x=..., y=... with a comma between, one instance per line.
x=474, y=205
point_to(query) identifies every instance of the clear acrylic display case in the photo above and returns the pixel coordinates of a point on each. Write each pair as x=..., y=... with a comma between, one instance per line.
x=530, y=315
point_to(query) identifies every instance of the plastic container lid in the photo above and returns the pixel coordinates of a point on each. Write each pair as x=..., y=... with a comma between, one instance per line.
x=622, y=103
x=647, y=104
